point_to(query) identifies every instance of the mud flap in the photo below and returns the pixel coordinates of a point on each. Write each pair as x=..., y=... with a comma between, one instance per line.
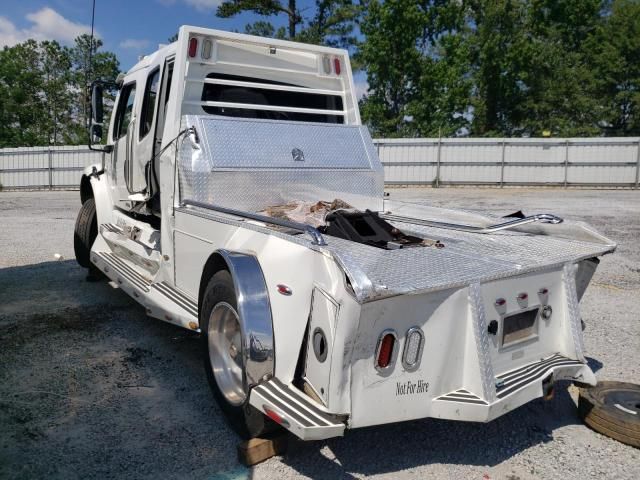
x=295, y=411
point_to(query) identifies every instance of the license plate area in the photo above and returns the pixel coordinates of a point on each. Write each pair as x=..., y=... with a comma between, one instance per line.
x=520, y=327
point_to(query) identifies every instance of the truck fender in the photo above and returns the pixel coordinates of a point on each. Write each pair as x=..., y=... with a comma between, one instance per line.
x=254, y=310
x=94, y=184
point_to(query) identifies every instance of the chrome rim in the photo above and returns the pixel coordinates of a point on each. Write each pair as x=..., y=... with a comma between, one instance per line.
x=225, y=352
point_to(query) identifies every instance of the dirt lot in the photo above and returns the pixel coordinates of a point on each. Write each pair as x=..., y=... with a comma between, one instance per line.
x=92, y=388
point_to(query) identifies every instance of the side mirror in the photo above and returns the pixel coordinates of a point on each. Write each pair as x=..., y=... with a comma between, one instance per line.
x=97, y=110
x=95, y=132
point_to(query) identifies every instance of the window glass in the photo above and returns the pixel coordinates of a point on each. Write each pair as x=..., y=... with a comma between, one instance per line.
x=261, y=96
x=125, y=110
x=149, y=102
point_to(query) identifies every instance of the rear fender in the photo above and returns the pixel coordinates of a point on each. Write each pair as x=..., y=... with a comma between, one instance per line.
x=254, y=310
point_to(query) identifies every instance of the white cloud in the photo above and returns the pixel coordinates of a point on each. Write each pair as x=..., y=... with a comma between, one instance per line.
x=208, y=6
x=204, y=5
x=134, y=44
x=361, y=87
x=46, y=24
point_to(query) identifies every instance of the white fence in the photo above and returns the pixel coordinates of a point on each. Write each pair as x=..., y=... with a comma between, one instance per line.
x=44, y=167
x=597, y=162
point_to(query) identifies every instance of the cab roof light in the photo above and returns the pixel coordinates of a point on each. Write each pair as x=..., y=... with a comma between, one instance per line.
x=336, y=65
x=193, y=47
x=207, y=46
x=326, y=64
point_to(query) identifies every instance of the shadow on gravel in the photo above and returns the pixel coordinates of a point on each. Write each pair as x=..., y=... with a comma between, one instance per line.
x=92, y=388
x=392, y=448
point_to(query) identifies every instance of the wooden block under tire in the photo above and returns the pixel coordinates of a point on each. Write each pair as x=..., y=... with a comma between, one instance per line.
x=256, y=450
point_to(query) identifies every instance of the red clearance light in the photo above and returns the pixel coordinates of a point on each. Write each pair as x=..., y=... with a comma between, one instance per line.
x=336, y=65
x=193, y=47
x=385, y=352
x=276, y=417
x=523, y=296
x=501, y=302
x=284, y=290
x=543, y=291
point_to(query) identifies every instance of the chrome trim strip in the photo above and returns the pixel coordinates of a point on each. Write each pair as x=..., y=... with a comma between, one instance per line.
x=298, y=404
x=533, y=372
x=463, y=400
x=183, y=302
x=284, y=407
x=314, y=233
x=254, y=310
x=127, y=272
x=573, y=308
x=540, y=217
x=506, y=377
x=539, y=374
x=479, y=325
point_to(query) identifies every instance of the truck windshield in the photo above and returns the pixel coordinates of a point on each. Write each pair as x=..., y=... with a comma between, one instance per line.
x=254, y=96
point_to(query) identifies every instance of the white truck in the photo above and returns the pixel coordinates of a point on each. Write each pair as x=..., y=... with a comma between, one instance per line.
x=241, y=197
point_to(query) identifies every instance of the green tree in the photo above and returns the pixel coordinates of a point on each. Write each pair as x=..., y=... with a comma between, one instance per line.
x=22, y=106
x=267, y=8
x=89, y=64
x=332, y=22
x=44, y=90
x=416, y=63
x=615, y=59
x=55, y=66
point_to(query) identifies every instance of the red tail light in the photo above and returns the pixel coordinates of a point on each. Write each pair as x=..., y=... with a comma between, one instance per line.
x=336, y=65
x=193, y=47
x=385, y=350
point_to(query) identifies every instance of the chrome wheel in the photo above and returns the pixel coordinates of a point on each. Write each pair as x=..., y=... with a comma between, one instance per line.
x=225, y=353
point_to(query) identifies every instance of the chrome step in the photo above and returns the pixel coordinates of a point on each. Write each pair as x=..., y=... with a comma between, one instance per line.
x=295, y=411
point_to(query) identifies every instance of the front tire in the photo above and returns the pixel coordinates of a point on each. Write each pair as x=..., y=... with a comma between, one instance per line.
x=85, y=232
x=222, y=341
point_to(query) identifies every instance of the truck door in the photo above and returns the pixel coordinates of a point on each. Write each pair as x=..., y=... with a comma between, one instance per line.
x=131, y=145
x=122, y=127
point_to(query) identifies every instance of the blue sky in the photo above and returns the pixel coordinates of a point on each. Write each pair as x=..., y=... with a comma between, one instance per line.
x=127, y=27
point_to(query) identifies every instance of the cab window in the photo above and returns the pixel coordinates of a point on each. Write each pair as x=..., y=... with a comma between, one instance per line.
x=149, y=102
x=124, y=111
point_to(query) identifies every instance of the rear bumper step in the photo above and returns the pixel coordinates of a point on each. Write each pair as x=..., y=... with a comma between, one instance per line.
x=510, y=382
x=512, y=389
x=295, y=411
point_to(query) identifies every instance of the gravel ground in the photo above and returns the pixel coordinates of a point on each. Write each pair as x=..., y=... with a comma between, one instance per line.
x=92, y=388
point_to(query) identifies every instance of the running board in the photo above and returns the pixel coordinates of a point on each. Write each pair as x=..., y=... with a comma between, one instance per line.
x=160, y=299
x=295, y=411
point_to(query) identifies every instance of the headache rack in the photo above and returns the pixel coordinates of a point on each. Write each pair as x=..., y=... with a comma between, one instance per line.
x=248, y=97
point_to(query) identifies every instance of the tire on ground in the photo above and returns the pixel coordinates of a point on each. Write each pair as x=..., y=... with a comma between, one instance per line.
x=612, y=409
x=244, y=419
x=85, y=232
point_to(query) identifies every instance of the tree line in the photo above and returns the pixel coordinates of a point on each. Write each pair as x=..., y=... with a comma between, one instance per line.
x=479, y=67
x=433, y=67
x=43, y=90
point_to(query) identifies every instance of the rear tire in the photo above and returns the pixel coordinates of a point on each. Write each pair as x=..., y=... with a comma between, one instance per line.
x=612, y=409
x=217, y=316
x=85, y=233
